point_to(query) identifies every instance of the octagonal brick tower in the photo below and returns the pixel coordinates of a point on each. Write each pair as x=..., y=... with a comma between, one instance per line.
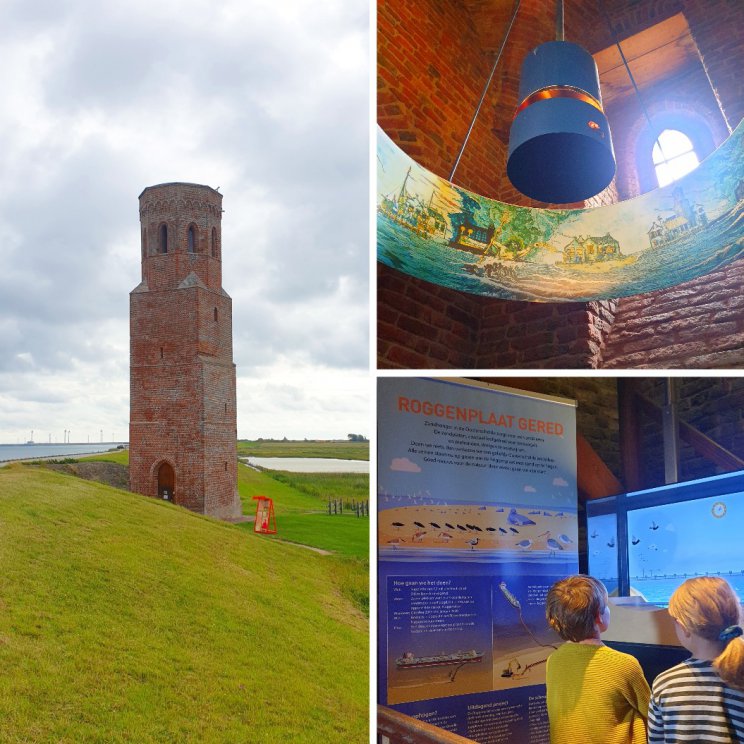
x=182, y=430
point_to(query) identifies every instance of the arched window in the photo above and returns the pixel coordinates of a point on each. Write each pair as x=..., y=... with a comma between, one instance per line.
x=192, y=239
x=674, y=156
x=215, y=315
x=214, y=242
x=163, y=243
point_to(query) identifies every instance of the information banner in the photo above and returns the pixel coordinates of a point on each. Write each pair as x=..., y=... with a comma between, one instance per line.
x=476, y=520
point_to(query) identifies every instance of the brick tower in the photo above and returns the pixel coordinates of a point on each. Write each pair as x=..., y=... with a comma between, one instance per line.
x=182, y=430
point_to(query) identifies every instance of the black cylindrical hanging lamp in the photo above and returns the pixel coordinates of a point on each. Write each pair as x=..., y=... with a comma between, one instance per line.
x=560, y=149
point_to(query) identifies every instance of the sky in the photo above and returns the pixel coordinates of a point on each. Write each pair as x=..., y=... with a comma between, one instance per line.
x=267, y=101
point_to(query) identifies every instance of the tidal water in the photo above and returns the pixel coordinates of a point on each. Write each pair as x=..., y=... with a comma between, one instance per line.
x=36, y=451
x=309, y=464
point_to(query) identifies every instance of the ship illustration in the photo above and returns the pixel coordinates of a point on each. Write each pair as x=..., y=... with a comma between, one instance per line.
x=688, y=218
x=410, y=661
x=410, y=211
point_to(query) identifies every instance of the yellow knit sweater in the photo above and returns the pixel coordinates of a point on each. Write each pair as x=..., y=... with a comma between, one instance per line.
x=595, y=695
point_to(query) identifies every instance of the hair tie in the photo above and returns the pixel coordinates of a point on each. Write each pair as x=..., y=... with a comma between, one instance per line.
x=733, y=631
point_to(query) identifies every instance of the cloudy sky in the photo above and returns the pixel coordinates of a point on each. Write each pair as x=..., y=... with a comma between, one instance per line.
x=267, y=100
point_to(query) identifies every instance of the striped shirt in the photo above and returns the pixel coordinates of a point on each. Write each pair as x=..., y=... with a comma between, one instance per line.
x=691, y=704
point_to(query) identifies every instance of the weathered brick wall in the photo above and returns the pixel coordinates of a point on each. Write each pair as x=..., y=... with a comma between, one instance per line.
x=434, y=57
x=714, y=406
x=425, y=326
x=182, y=379
x=695, y=325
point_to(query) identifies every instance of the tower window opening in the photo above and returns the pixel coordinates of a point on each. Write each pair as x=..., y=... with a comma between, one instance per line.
x=163, y=243
x=191, y=240
x=674, y=156
x=215, y=315
x=161, y=352
x=214, y=242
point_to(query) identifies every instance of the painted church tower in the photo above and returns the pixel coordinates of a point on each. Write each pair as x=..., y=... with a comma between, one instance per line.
x=183, y=430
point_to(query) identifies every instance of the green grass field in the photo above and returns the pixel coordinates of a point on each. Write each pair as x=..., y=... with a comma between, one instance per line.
x=312, y=448
x=126, y=619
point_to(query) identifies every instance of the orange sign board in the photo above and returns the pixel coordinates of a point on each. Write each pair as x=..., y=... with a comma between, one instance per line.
x=265, y=520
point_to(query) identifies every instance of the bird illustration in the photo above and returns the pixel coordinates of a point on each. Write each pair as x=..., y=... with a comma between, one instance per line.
x=476, y=528
x=490, y=529
x=396, y=542
x=515, y=530
x=419, y=536
x=473, y=543
x=460, y=527
x=551, y=542
x=501, y=529
x=524, y=544
x=635, y=540
x=434, y=524
x=398, y=524
x=594, y=534
x=554, y=544
x=418, y=524
x=500, y=509
x=445, y=535
x=565, y=538
x=534, y=511
x=547, y=514
x=516, y=518
x=451, y=526
x=611, y=543
x=654, y=526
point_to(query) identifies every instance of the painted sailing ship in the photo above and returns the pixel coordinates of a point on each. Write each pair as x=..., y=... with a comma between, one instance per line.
x=410, y=661
x=410, y=211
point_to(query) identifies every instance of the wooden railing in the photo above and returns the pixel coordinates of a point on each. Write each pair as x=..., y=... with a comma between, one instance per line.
x=397, y=728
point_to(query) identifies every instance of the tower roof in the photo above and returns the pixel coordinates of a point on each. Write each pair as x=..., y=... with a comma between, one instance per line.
x=179, y=183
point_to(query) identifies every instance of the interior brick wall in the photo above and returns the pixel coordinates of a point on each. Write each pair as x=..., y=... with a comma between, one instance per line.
x=714, y=406
x=182, y=377
x=434, y=56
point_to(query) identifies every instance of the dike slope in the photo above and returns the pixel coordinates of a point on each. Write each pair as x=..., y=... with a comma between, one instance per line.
x=126, y=619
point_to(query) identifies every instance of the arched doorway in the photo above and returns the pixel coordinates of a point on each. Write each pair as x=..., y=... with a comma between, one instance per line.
x=166, y=482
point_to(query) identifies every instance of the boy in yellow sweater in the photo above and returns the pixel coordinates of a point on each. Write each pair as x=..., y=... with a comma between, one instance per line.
x=595, y=695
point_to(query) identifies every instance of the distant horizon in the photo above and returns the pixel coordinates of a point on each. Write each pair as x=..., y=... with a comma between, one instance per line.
x=29, y=442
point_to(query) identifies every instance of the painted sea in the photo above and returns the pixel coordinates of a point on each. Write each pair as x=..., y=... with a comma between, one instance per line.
x=682, y=260
x=10, y=452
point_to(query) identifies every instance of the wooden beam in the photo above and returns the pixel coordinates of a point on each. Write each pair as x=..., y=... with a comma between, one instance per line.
x=702, y=444
x=593, y=478
x=630, y=434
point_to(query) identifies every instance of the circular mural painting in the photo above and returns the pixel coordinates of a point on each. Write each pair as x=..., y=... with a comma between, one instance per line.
x=436, y=231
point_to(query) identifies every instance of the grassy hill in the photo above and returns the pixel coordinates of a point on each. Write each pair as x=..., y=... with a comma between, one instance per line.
x=126, y=619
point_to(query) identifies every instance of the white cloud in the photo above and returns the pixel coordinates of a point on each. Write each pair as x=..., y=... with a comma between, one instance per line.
x=268, y=101
x=404, y=465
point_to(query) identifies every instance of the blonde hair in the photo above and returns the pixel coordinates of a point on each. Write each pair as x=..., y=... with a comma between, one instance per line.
x=573, y=604
x=708, y=607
